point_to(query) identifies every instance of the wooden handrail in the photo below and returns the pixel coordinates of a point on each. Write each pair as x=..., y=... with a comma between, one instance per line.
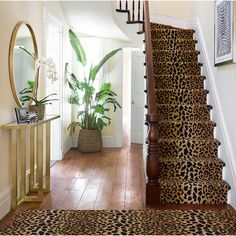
x=152, y=166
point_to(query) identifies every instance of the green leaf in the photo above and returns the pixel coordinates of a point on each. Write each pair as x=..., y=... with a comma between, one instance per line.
x=96, y=69
x=98, y=109
x=78, y=48
x=106, y=86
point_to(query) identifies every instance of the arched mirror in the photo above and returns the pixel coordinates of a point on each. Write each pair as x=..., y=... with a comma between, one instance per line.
x=22, y=58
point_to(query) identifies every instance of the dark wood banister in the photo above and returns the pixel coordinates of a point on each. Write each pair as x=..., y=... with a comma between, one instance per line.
x=152, y=165
x=152, y=162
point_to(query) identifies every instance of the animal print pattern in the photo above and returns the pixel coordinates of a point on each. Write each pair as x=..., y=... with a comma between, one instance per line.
x=194, y=170
x=184, y=112
x=183, y=129
x=179, y=97
x=188, y=149
x=190, y=171
x=179, y=82
x=193, y=192
x=172, y=34
x=114, y=222
x=176, y=56
x=179, y=44
x=160, y=26
x=177, y=68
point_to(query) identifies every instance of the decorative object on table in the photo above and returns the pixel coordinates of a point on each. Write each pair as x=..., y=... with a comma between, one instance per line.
x=223, y=31
x=21, y=114
x=93, y=105
x=39, y=105
x=32, y=117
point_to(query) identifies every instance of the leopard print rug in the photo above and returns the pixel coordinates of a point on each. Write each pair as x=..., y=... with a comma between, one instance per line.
x=114, y=222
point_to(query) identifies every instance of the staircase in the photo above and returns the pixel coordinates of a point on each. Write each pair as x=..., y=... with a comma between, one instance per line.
x=182, y=162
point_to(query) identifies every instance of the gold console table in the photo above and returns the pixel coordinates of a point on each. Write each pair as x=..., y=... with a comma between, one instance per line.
x=37, y=133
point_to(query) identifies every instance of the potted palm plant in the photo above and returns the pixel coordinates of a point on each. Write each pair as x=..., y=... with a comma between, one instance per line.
x=93, y=106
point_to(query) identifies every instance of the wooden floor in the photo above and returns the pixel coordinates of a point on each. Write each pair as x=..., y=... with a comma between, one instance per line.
x=112, y=179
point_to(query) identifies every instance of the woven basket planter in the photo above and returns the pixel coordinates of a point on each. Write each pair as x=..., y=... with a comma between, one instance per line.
x=90, y=141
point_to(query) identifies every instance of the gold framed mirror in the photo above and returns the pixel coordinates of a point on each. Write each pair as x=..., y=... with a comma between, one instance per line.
x=23, y=53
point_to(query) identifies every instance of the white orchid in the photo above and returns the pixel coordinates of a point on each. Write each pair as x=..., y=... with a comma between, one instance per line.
x=51, y=71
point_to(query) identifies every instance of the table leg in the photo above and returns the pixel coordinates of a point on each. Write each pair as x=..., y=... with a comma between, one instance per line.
x=32, y=152
x=40, y=159
x=48, y=140
x=13, y=169
x=23, y=163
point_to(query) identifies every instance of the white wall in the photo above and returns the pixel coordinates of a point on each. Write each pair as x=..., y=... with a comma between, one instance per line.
x=10, y=14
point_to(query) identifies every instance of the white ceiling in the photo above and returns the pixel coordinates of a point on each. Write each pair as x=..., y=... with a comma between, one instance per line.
x=92, y=18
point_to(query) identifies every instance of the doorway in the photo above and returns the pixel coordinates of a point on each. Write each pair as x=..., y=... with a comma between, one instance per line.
x=133, y=96
x=54, y=50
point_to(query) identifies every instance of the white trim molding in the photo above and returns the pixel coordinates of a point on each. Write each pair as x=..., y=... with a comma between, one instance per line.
x=5, y=202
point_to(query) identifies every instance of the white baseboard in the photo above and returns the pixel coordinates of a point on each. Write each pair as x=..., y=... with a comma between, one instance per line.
x=67, y=146
x=5, y=202
x=108, y=141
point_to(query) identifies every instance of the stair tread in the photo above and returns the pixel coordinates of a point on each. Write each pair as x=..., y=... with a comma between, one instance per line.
x=179, y=63
x=188, y=122
x=174, y=30
x=214, y=182
x=177, y=40
x=186, y=105
x=192, y=159
x=189, y=140
x=200, y=90
x=175, y=51
x=186, y=76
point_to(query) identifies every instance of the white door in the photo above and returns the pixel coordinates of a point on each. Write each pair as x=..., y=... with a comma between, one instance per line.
x=137, y=97
x=54, y=50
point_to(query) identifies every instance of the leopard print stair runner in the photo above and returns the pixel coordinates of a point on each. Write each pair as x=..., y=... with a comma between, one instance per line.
x=190, y=171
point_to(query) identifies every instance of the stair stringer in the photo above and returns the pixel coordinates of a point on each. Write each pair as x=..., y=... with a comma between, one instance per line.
x=225, y=151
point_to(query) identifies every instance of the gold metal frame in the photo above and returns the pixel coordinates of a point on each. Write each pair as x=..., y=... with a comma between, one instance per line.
x=10, y=59
x=36, y=149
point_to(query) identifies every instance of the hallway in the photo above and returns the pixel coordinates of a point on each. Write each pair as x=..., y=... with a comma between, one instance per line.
x=112, y=179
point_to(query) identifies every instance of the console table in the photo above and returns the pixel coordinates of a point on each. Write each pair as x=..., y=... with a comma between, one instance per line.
x=31, y=140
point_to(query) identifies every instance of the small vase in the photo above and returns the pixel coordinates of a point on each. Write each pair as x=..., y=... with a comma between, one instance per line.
x=40, y=109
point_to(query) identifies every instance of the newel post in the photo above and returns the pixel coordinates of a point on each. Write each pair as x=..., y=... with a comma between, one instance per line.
x=152, y=167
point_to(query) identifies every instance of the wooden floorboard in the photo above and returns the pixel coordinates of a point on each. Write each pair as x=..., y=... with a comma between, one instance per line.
x=111, y=179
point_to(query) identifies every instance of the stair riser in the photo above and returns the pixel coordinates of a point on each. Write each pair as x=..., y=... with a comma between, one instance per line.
x=189, y=97
x=188, y=149
x=175, y=56
x=155, y=26
x=172, y=34
x=173, y=45
x=191, y=170
x=177, y=82
x=194, y=193
x=172, y=130
x=190, y=113
x=177, y=68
